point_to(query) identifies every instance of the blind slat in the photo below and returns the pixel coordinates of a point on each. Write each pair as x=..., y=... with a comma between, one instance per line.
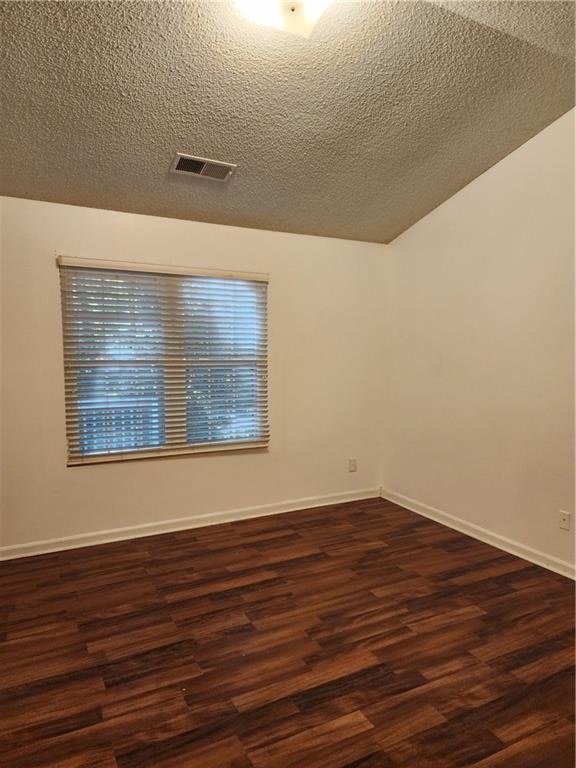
x=162, y=362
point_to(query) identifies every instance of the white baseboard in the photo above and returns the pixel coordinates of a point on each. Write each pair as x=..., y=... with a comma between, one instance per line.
x=183, y=523
x=536, y=556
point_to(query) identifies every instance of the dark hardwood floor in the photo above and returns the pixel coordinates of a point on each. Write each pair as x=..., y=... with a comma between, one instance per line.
x=359, y=635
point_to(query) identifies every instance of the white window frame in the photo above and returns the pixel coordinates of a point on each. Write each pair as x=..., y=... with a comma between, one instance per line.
x=74, y=459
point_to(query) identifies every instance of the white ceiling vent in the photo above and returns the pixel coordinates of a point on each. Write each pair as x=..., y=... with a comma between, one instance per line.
x=202, y=167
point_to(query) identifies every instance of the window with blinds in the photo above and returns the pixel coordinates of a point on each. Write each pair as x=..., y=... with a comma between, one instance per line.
x=157, y=362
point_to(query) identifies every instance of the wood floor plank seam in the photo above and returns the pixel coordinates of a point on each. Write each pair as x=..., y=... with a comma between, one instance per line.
x=359, y=635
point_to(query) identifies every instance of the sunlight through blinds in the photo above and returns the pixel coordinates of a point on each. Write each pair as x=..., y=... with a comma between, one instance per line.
x=162, y=363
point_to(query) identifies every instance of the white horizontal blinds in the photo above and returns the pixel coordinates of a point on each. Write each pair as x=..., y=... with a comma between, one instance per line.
x=162, y=362
x=225, y=344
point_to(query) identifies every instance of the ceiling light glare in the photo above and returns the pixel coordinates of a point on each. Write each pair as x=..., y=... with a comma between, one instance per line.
x=298, y=17
x=268, y=13
x=313, y=9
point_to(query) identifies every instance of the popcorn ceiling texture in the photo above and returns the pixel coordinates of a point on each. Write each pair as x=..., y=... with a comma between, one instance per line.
x=531, y=20
x=385, y=112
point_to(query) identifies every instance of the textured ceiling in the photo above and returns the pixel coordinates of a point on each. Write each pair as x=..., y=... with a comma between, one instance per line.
x=387, y=110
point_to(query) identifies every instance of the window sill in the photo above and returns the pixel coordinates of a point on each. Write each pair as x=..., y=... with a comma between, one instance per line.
x=167, y=452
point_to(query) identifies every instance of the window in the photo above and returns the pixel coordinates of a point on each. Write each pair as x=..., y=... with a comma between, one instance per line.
x=157, y=362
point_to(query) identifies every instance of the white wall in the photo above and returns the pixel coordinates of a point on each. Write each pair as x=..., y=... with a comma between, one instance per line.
x=2, y=506
x=323, y=374
x=443, y=362
x=478, y=401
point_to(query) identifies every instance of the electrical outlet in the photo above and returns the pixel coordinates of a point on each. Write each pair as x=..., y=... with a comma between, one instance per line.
x=565, y=520
x=352, y=465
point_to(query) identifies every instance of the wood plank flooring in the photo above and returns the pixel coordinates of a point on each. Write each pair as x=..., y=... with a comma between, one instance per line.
x=353, y=636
